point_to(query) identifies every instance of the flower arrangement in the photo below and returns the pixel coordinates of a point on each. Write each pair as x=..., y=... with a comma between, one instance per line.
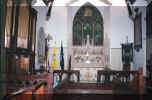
x=41, y=59
x=77, y=58
x=98, y=58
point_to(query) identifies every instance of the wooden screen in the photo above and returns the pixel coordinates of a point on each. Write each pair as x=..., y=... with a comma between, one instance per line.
x=34, y=33
x=8, y=24
x=22, y=64
x=7, y=28
x=22, y=40
x=20, y=37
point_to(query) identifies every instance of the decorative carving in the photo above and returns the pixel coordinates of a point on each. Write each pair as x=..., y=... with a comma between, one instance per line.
x=88, y=76
x=88, y=21
x=88, y=54
x=90, y=44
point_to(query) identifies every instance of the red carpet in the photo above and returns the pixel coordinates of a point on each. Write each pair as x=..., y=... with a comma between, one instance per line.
x=92, y=86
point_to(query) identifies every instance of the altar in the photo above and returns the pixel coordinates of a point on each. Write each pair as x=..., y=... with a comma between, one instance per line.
x=88, y=59
x=88, y=74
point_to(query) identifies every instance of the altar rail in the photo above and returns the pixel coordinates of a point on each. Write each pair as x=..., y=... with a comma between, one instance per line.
x=121, y=78
x=68, y=73
x=106, y=78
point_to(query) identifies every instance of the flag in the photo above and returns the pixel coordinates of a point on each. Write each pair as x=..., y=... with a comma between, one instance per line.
x=54, y=65
x=69, y=63
x=54, y=61
x=55, y=82
x=62, y=58
x=46, y=55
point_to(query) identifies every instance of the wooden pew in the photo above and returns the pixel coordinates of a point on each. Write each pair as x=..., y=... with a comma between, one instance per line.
x=41, y=85
x=39, y=91
x=124, y=77
x=22, y=94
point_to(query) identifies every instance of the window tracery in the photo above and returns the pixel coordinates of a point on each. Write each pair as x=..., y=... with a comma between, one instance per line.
x=88, y=21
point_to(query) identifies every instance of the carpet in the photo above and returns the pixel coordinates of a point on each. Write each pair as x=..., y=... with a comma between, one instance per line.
x=82, y=88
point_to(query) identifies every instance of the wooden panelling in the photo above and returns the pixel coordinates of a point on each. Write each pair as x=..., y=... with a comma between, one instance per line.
x=8, y=27
x=20, y=37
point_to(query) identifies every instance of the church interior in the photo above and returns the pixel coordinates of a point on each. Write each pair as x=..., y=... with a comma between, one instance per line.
x=75, y=49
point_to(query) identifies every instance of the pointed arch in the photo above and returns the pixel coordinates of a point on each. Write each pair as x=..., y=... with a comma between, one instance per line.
x=88, y=21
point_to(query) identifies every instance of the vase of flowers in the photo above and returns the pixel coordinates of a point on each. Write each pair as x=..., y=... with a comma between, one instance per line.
x=98, y=58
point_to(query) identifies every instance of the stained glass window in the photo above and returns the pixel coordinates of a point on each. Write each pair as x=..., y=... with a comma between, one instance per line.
x=78, y=36
x=88, y=21
x=88, y=12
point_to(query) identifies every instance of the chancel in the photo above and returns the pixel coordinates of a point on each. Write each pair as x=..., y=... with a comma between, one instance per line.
x=89, y=39
x=53, y=47
x=88, y=59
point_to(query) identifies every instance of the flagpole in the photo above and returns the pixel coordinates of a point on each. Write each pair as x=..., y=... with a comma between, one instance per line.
x=47, y=55
x=47, y=58
x=62, y=57
x=54, y=64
